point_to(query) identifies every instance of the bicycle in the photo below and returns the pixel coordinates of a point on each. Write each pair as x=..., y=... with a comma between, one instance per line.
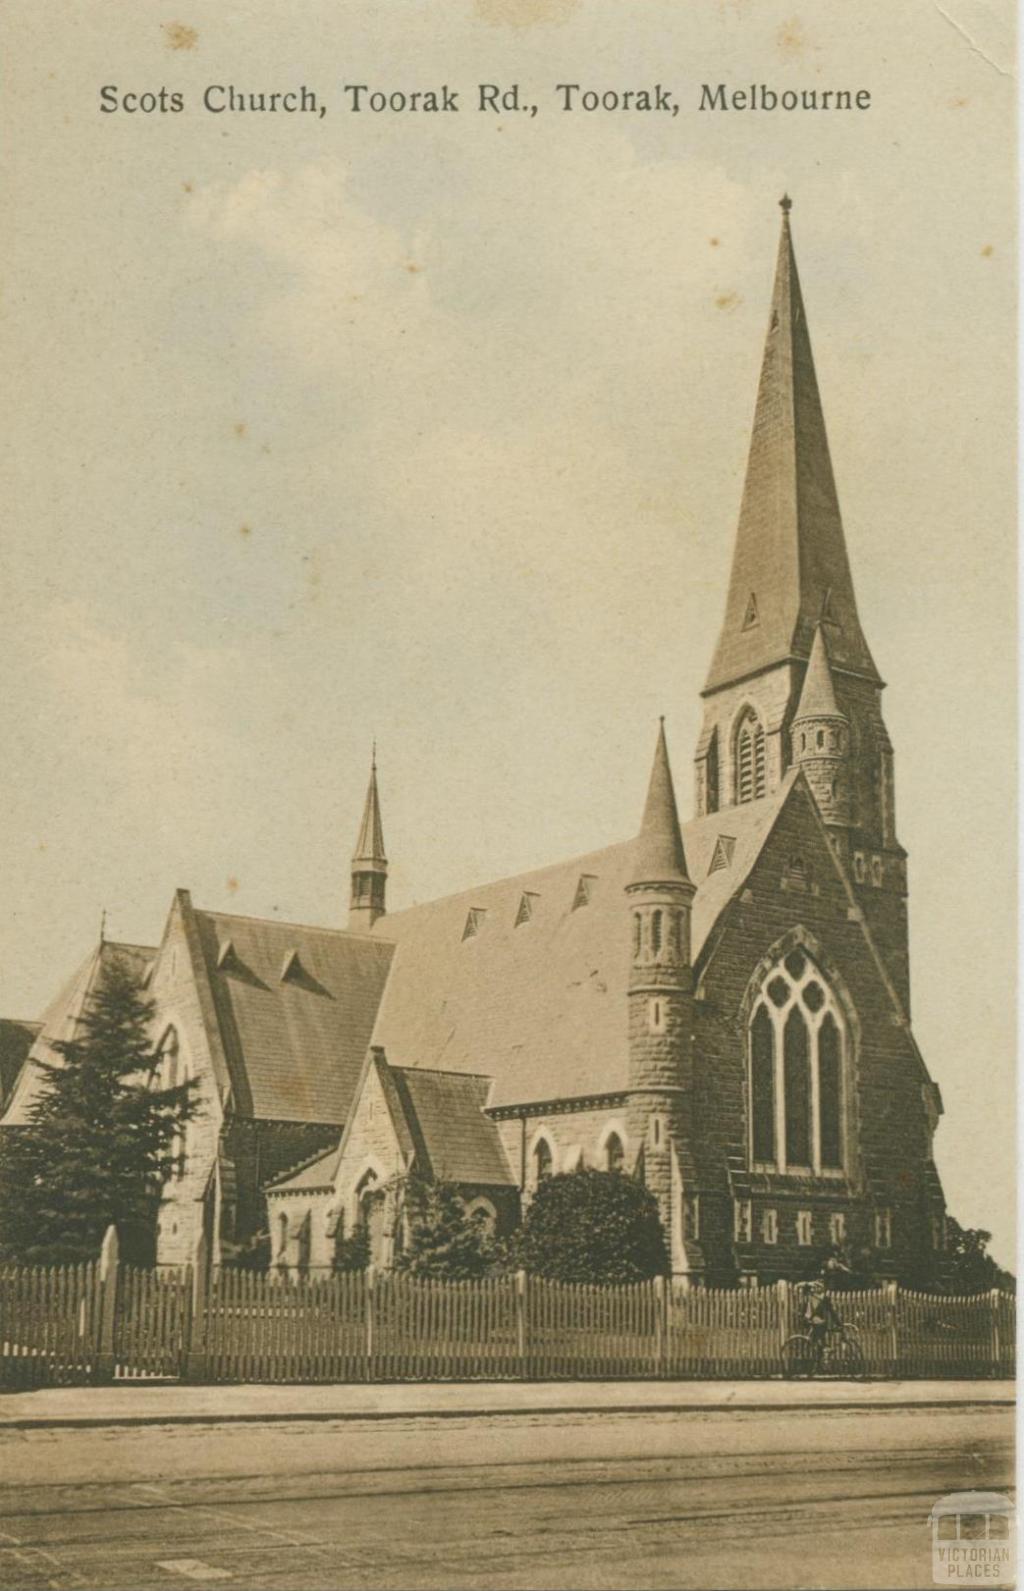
x=835, y=1351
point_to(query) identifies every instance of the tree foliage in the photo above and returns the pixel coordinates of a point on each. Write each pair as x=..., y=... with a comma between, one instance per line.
x=970, y=1267
x=443, y=1241
x=99, y=1144
x=592, y=1226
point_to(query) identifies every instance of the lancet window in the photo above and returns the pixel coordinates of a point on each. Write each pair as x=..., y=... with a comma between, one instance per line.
x=796, y=1076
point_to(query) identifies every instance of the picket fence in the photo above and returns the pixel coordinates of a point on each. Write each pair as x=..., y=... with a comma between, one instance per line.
x=106, y=1322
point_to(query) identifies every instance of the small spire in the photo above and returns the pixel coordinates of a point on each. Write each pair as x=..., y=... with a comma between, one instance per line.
x=103, y=925
x=370, y=844
x=369, y=862
x=818, y=697
x=785, y=204
x=659, y=857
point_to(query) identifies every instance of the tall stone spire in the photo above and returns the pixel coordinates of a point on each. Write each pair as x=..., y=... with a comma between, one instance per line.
x=790, y=567
x=659, y=856
x=369, y=862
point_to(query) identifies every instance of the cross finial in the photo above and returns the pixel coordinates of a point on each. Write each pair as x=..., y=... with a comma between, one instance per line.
x=785, y=204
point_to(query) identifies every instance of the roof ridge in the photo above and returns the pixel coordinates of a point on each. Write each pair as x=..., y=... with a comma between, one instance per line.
x=277, y=922
x=443, y=1071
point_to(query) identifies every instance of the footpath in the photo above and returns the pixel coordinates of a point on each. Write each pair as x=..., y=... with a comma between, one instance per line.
x=142, y=1403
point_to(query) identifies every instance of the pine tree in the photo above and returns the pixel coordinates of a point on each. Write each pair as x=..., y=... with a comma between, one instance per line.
x=443, y=1242
x=99, y=1144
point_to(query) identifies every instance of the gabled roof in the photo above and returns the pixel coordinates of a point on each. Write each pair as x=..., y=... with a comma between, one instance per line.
x=59, y=1019
x=439, y=1126
x=293, y=1045
x=541, y=1008
x=444, y=1111
x=790, y=565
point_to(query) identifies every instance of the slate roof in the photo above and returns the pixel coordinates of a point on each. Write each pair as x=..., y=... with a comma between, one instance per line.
x=541, y=1007
x=294, y=1044
x=60, y=1015
x=439, y=1122
x=444, y=1111
x=314, y=1177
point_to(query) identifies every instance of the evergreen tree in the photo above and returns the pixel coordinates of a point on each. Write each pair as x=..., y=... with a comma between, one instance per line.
x=592, y=1226
x=99, y=1144
x=443, y=1242
x=970, y=1267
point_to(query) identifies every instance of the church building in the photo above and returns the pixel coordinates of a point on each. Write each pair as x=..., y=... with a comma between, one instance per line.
x=719, y=1007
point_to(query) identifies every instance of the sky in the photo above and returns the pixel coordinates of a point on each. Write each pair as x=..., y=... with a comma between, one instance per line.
x=432, y=429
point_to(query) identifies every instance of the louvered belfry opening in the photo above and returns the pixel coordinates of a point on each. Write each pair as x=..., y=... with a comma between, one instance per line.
x=750, y=759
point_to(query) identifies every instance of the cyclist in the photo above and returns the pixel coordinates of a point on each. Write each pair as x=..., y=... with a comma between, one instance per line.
x=820, y=1313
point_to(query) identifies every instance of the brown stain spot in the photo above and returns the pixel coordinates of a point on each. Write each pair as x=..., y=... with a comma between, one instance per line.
x=187, y=187
x=791, y=41
x=413, y=269
x=245, y=530
x=713, y=242
x=987, y=252
x=232, y=886
x=524, y=13
x=180, y=36
x=727, y=301
x=959, y=102
x=240, y=428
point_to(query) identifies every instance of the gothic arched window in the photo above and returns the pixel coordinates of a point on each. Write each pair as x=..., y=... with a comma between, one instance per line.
x=797, y=1048
x=656, y=933
x=711, y=774
x=542, y=1160
x=762, y=1087
x=749, y=758
x=614, y=1154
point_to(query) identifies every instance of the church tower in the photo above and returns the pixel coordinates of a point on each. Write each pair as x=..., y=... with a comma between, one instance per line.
x=369, y=863
x=791, y=645
x=660, y=895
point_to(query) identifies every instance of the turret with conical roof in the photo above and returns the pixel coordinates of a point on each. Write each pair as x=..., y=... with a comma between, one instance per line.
x=821, y=737
x=369, y=862
x=660, y=894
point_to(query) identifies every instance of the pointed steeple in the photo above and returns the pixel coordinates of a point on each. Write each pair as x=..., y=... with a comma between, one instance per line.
x=370, y=844
x=369, y=862
x=790, y=555
x=659, y=857
x=818, y=697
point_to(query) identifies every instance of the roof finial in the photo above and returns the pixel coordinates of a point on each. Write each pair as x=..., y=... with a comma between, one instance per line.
x=785, y=204
x=103, y=925
x=373, y=755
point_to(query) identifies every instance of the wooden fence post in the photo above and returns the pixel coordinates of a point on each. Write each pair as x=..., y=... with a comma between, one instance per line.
x=892, y=1293
x=995, y=1351
x=660, y=1325
x=782, y=1294
x=196, y=1365
x=371, y=1346
x=522, y=1327
x=107, y=1310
